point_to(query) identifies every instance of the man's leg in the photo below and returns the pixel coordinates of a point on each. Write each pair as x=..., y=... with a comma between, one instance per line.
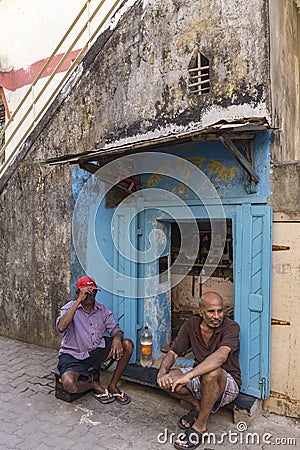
x=122, y=363
x=183, y=393
x=213, y=385
x=72, y=384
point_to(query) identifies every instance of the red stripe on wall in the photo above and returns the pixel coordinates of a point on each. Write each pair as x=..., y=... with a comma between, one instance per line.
x=16, y=79
x=2, y=95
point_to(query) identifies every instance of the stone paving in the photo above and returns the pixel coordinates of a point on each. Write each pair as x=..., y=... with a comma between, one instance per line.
x=32, y=418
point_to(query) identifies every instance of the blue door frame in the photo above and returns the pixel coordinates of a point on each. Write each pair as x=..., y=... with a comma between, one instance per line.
x=252, y=290
x=252, y=283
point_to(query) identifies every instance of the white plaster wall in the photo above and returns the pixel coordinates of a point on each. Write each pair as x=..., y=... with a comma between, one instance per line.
x=285, y=78
x=285, y=338
x=29, y=31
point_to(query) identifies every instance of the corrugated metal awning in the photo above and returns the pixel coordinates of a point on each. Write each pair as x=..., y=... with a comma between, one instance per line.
x=238, y=130
x=226, y=132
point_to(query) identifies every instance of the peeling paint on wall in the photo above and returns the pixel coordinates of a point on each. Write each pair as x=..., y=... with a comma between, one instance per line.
x=131, y=85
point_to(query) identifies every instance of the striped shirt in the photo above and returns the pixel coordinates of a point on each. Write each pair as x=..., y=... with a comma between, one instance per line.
x=86, y=331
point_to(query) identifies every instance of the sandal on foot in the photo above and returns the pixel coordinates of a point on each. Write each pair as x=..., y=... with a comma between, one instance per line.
x=189, y=417
x=190, y=439
x=104, y=398
x=122, y=398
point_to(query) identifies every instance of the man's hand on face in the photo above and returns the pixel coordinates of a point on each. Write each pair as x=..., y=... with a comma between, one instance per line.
x=84, y=292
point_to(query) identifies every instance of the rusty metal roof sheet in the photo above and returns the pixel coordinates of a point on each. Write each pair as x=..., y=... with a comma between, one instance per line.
x=241, y=129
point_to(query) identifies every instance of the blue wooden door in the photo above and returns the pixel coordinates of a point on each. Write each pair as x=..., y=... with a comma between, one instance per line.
x=124, y=232
x=253, y=296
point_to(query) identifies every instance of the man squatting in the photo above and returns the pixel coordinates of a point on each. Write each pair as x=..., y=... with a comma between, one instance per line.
x=215, y=378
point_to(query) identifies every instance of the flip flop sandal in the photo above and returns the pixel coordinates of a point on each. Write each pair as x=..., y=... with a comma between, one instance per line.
x=122, y=398
x=104, y=398
x=189, y=417
x=189, y=440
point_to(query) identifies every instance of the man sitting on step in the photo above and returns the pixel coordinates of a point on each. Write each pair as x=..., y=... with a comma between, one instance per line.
x=83, y=323
x=215, y=378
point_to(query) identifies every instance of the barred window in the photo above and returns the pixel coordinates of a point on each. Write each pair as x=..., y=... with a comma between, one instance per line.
x=199, y=75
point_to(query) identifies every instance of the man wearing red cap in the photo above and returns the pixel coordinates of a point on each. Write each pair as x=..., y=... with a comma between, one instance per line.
x=83, y=323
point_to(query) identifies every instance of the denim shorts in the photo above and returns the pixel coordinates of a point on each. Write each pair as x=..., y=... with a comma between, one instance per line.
x=230, y=393
x=96, y=357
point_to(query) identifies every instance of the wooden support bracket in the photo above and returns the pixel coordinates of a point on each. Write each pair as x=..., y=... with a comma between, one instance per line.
x=127, y=184
x=89, y=167
x=227, y=142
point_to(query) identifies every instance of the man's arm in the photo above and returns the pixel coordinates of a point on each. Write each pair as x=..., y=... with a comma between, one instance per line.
x=67, y=318
x=212, y=362
x=164, y=379
x=113, y=328
x=116, y=346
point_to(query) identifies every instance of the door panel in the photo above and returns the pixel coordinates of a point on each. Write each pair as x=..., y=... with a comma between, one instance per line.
x=253, y=296
x=124, y=232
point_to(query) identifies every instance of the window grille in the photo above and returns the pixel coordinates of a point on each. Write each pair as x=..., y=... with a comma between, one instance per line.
x=199, y=75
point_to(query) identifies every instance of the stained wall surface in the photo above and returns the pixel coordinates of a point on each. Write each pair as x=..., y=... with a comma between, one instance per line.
x=285, y=78
x=131, y=85
x=285, y=200
x=285, y=388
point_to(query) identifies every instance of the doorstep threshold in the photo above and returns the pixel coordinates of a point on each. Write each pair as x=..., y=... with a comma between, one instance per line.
x=147, y=376
x=141, y=375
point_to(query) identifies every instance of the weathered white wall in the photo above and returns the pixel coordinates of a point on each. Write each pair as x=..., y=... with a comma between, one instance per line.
x=285, y=200
x=285, y=338
x=285, y=78
x=233, y=35
x=30, y=30
x=29, y=33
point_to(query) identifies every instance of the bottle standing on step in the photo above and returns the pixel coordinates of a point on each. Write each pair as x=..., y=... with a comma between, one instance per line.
x=146, y=347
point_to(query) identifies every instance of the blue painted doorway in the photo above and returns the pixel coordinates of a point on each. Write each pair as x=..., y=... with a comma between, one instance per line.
x=252, y=249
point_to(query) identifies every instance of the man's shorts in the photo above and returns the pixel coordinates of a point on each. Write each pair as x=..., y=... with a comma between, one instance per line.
x=230, y=393
x=68, y=362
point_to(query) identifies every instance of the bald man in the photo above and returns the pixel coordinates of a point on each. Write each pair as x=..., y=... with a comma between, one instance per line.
x=215, y=378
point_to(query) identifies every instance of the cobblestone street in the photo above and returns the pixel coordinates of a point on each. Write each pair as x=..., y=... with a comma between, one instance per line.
x=32, y=418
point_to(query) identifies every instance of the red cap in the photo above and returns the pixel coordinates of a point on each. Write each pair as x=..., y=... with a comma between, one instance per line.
x=86, y=282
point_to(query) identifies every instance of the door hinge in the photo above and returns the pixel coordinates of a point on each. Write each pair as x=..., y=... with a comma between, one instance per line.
x=138, y=326
x=263, y=388
x=277, y=248
x=280, y=322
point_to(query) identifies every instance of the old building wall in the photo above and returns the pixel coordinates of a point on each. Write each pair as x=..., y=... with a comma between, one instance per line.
x=285, y=365
x=35, y=241
x=285, y=200
x=153, y=97
x=285, y=182
x=131, y=85
x=285, y=78
x=22, y=59
x=33, y=19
